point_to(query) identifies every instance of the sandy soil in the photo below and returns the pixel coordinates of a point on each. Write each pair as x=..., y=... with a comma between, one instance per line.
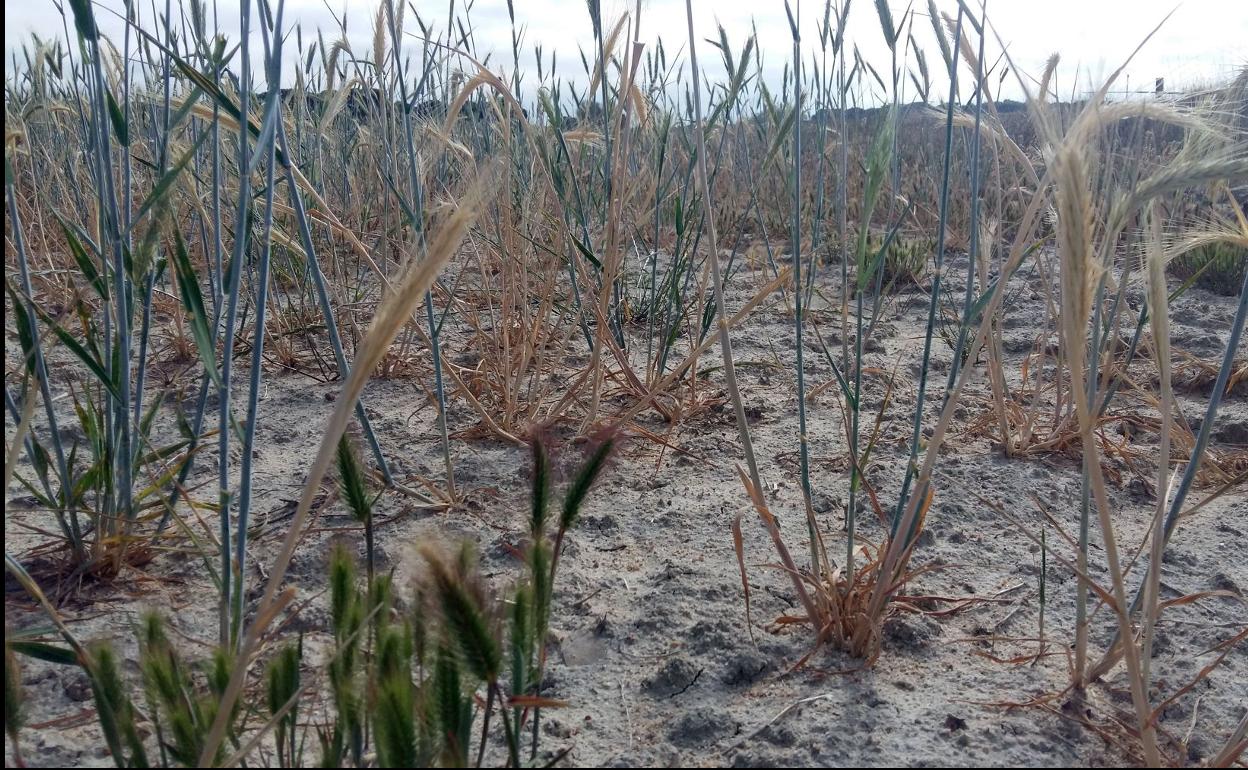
x=650, y=642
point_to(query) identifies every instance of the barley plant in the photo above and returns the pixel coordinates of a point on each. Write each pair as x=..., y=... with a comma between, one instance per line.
x=557, y=258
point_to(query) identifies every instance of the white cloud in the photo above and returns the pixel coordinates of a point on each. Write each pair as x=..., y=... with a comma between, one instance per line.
x=1203, y=41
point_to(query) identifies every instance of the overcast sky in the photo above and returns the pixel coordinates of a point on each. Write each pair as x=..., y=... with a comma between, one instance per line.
x=1204, y=41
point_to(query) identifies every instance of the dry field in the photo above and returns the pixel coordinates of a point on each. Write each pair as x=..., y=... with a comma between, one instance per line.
x=403, y=407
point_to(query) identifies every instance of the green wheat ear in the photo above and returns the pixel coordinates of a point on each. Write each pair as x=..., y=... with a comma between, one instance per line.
x=466, y=623
x=522, y=639
x=341, y=587
x=452, y=711
x=283, y=678
x=583, y=481
x=420, y=627
x=1217, y=267
x=380, y=597
x=352, y=481
x=539, y=569
x=394, y=711
x=541, y=486
x=349, y=724
x=222, y=665
x=158, y=662
x=113, y=708
x=347, y=613
x=153, y=631
x=107, y=688
x=283, y=685
x=392, y=653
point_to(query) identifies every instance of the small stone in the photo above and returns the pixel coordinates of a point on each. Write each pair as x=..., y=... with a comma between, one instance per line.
x=910, y=630
x=821, y=502
x=745, y=668
x=1222, y=582
x=1233, y=432
x=673, y=677
x=78, y=689
x=702, y=727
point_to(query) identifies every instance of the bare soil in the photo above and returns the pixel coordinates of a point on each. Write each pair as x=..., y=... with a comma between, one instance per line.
x=650, y=645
